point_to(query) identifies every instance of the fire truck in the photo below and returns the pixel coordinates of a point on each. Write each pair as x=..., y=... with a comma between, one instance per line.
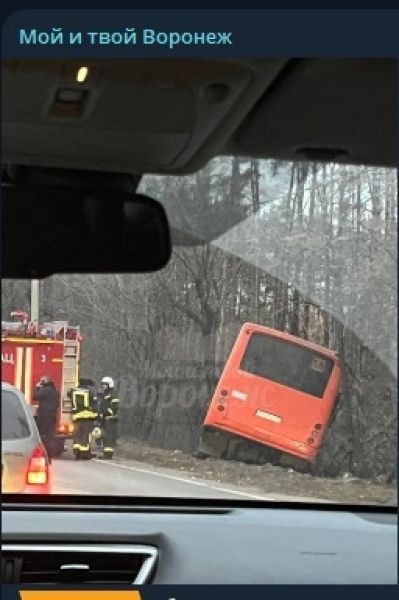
x=31, y=350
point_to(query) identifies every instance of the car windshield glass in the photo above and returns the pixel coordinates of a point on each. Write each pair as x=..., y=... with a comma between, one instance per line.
x=304, y=248
x=14, y=425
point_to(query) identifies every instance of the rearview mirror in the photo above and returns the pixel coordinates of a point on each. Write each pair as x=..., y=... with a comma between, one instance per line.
x=49, y=230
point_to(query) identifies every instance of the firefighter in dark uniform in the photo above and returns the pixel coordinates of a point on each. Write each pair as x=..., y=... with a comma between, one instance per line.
x=83, y=416
x=109, y=414
x=47, y=398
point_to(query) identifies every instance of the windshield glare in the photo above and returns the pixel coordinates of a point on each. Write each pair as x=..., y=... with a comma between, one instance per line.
x=308, y=249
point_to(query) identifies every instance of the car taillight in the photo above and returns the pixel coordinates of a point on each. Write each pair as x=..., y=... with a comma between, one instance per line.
x=38, y=467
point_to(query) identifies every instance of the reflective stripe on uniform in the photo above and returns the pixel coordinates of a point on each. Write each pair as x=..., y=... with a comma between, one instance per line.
x=108, y=449
x=84, y=414
x=81, y=394
x=83, y=448
x=115, y=400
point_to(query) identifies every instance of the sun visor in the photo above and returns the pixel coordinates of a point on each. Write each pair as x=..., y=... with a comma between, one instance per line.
x=106, y=115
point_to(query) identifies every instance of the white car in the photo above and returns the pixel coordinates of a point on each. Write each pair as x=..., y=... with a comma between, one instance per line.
x=24, y=462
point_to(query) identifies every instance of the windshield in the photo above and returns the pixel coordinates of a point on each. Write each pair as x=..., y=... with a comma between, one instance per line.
x=303, y=248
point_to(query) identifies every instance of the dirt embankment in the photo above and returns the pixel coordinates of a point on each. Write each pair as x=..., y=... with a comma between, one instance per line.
x=266, y=478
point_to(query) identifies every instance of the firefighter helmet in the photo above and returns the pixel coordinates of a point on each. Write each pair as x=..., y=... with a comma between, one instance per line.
x=108, y=381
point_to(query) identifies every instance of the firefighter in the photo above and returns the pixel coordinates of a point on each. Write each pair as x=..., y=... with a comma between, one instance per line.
x=48, y=399
x=98, y=433
x=109, y=413
x=83, y=416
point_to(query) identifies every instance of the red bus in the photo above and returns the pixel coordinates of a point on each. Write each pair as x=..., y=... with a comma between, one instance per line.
x=276, y=389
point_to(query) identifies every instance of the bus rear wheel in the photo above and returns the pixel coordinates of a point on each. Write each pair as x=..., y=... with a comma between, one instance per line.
x=300, y=465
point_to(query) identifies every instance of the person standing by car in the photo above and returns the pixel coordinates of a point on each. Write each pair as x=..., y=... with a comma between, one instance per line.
x=47, y=398
x=109, y=413
x=83, y=416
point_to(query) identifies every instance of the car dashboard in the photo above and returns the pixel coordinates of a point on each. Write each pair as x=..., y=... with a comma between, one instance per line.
x=172, y=543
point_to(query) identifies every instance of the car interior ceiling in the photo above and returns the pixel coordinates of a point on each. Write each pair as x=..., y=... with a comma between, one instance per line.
x=108, y=132
x=340, y=110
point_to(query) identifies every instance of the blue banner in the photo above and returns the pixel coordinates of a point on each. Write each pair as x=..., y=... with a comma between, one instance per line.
x=201, y=33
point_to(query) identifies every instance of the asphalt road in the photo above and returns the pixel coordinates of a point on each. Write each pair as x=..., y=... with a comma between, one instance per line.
x=132, y=478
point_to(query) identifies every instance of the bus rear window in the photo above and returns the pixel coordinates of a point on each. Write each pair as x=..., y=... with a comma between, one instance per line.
x=287, y=363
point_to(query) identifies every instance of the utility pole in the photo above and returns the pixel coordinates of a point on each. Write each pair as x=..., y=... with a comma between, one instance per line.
x=34, y=300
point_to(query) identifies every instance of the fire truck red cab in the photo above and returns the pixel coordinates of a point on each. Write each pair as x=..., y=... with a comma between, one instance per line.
x=31, y=350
